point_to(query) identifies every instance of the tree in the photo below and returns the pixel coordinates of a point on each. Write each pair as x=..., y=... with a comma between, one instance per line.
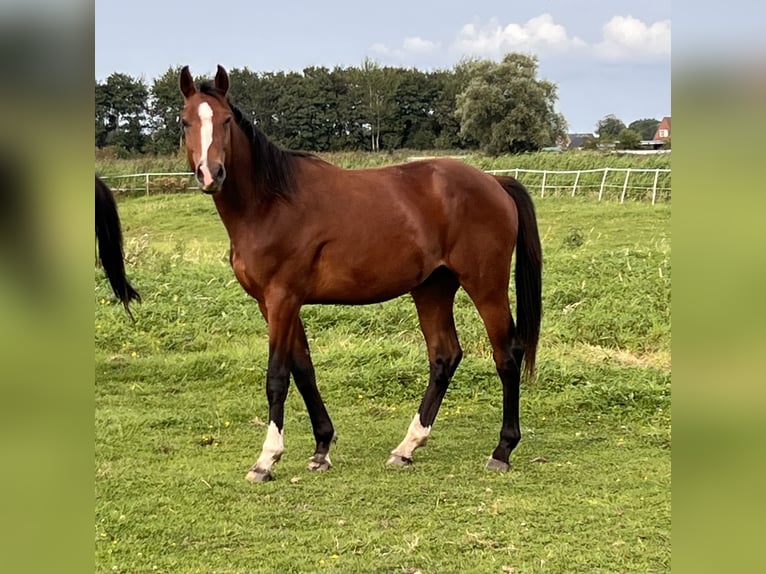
x=379, y=85
x=645, y=127
x=447, y=84
x=505, y=108
x=349, y=132
x=609, y=127
x=628, y=139
x=165, y=113
x=590, y=143
x=121, y=106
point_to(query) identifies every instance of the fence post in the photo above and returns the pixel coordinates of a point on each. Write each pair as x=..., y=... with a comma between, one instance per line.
x=516, y=174
x=625, y=185
x=542, y=189
x=654, y=187
x=577, y=179
x=147, y=183
x=603, y=182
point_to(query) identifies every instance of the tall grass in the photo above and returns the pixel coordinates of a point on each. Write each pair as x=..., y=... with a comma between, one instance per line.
x=571, y=160
x=641, y=186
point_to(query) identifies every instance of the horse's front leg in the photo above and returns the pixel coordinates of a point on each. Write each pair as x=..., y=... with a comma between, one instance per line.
x=282, y=317
x=305, y=380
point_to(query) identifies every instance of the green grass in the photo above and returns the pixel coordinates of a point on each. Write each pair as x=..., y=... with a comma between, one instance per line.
x=571, y=160
x=180, y=397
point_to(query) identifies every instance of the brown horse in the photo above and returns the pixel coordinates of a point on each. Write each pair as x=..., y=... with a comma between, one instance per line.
x=304, y=231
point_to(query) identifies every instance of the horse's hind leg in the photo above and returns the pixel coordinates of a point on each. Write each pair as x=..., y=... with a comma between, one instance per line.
x=508, y=353
x=434, y=300
x=303, y=375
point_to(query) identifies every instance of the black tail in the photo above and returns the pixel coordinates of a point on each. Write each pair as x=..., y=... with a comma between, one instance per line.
x=109, y=237
x=528, y=274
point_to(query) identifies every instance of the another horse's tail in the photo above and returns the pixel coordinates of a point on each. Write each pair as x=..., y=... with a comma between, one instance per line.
x=528, y=273
x=109, y=237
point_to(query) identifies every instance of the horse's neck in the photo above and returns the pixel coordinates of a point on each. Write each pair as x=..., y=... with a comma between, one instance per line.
x=240, y=203
x=233, y=204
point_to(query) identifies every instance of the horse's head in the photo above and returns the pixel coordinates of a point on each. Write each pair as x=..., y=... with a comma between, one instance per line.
x=206, y=120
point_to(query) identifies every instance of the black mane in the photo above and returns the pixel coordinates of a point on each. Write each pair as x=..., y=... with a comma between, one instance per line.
x=273, y=166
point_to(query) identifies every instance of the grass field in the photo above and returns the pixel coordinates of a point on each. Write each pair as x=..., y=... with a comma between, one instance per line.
x=180, y=401
x=571, y=160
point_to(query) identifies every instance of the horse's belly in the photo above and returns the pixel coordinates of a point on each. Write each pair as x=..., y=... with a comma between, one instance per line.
x=360, y=284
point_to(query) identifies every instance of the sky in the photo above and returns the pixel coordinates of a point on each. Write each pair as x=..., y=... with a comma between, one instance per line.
x=606, y=56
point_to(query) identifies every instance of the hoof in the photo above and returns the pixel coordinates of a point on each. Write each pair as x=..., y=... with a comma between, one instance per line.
x=494, y=464
x=258, y=475
x=319, y=462
x=396, y=460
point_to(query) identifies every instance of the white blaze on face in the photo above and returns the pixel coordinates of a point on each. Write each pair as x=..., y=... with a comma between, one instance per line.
x=206, y=139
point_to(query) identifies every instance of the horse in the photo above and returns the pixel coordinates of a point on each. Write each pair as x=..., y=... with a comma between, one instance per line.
x=109, y=239
x=303, y=231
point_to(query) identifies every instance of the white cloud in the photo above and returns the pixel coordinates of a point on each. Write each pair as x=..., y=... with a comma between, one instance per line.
x=419, y=45
x=381, y=49
x=539, y=34
x=414, y=46
x=626, y=37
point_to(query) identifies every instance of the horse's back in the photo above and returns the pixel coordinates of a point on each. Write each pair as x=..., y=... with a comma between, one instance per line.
x=472, y=201
x=434, y=202
x=428, y=184
x=393, y=226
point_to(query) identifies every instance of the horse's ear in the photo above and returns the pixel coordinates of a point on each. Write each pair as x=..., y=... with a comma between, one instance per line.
x=222, y=80
x=187, y=83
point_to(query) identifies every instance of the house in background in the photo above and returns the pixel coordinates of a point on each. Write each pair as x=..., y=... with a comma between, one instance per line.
x=663, y=130
x=576, y=141
x=661, y=137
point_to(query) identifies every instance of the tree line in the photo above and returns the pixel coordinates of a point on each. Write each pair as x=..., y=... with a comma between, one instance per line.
x=498, y=107
x=612, y=130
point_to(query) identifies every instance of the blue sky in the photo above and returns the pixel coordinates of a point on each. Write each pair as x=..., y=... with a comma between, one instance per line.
x=607, y=56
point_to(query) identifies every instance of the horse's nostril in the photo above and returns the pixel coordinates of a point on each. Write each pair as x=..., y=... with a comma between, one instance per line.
x=198, y=172
x=220, y=173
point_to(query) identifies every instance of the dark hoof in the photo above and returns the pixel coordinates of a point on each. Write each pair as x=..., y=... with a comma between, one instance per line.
x=396, y=460
x=319, y=462
x=494, y=464
x=258, y=475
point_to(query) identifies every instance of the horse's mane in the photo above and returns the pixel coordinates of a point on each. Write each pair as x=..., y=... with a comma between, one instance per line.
x=273, y=166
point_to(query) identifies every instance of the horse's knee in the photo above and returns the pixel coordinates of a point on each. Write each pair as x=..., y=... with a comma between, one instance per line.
x=507, y=366
x=276, y=388
x=457, y=356
x=445, y=364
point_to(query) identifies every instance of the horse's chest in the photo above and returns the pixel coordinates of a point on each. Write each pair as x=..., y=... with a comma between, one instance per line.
x=245, y=275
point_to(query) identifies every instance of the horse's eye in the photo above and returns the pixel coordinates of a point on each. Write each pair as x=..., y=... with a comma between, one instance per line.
x=227, y=121
x=184, y=124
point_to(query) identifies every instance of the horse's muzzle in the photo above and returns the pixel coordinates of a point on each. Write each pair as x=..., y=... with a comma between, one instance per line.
x=210, y=177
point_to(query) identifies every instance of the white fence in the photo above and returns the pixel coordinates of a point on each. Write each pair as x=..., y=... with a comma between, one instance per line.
x=602, y=183
x=605, y=181
x=160, y=181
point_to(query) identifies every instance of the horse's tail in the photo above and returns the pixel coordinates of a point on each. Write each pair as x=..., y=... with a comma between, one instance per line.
x=110, y=253
x=528, y=273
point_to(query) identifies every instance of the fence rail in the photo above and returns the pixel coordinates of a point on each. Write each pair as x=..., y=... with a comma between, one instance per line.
x=606, y=182
x=165, y=181
x=644, y=181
